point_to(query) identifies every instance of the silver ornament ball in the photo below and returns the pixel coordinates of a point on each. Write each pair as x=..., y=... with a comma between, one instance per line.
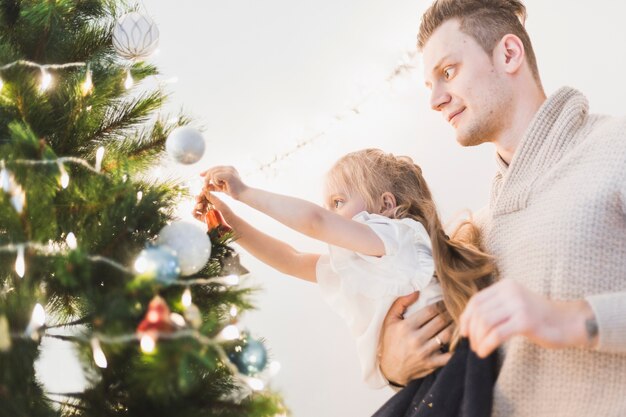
x=135, y=36
x=185, y=145
x=191, y=244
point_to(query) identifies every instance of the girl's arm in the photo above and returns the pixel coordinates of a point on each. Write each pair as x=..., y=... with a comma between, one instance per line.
x=300, y=215
x=265, y=248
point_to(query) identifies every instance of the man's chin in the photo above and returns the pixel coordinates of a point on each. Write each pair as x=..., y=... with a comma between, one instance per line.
x=468, y=141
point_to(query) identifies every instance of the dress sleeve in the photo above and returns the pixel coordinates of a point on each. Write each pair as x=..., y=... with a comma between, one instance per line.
x=406, y=267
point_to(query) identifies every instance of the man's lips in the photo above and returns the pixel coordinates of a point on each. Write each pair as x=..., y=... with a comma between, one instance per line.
x=452, y=115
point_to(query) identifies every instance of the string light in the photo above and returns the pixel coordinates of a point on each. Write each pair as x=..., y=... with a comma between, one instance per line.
x=139, y=196
x=129, y=80
x=87, y=85
x=231, y=279
x=1, y=83
x=233, y=311
x=147, y=343
x=99, y=158
x=71, y=241
x=5, y=178
x=37, y=320
x=98, y=354
x=65, y=177
x=255, y=384
x=20, y=265
x=46, y=80
x=230, y=332
x=186, y=298
x=178, y=320
x=18, y=198
x=404, y=65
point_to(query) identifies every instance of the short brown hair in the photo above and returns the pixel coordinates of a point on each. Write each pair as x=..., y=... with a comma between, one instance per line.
x=487, y=21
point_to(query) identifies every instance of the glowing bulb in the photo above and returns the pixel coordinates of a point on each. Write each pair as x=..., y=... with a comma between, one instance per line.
x=98, y=354
x=65, y=177
x=129, y=80
x=46, y=80
x=87, y=85
x=18, y=198
x=233, y=311
x=5, y=180
x=20, y=265
x=147, y=344
x=39, y=316
x=71, y=241
x=231, y=279
x=142, y=264
x=178, y=320
x=186, y=299
x=255, y=383
x=99, y=158
x=139, y=196
x=230, y=332
x=1, y=83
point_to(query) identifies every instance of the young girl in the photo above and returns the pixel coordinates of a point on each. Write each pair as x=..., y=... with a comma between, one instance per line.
x=385, y=240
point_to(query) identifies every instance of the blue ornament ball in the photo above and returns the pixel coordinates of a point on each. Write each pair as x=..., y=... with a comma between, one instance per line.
x=249, y=356
x=159, y=263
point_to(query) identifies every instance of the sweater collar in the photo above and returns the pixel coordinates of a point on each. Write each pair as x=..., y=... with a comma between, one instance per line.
x=551, y=133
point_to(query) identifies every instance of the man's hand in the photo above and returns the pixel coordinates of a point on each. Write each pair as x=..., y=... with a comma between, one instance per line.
x=507, y=309
x=409, y=347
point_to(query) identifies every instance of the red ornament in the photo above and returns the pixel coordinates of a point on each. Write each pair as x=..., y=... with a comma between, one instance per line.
x=215, y=221
x=157, y=317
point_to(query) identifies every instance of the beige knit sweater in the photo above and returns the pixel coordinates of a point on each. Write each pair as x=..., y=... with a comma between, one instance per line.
x=557, y=224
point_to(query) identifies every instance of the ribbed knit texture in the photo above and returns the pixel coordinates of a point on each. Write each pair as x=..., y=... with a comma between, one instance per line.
x=557, y=224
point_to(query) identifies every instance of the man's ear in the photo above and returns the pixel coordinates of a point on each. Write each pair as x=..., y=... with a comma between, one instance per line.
x=388, y=202
x=509, y=53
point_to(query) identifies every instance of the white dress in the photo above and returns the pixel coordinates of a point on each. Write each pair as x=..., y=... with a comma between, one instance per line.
x=361, y=288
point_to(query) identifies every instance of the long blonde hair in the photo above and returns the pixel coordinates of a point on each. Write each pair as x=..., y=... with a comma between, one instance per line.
x=460, y=265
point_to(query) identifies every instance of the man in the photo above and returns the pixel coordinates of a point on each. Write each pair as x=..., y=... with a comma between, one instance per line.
x=556, y=222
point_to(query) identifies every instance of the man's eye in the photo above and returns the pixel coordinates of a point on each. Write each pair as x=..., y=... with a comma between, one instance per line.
x=337, y=203
x=448, y=72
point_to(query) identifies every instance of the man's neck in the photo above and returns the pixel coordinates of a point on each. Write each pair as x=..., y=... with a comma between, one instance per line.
x=523, y=112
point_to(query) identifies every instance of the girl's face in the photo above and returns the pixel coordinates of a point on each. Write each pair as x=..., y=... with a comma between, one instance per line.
x=344, y=203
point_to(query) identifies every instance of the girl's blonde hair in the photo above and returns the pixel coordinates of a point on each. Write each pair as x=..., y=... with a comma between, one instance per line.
x=460, y=264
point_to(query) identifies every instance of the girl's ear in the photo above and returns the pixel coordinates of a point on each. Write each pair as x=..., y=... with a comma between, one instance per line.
x=388, y=201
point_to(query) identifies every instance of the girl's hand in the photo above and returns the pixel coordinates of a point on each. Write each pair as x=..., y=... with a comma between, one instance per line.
x=224, y=179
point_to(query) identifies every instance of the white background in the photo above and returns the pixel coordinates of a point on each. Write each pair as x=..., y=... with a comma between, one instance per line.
x=260, y=76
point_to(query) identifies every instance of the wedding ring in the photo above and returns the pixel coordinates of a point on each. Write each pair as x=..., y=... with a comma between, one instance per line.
x=439, y=341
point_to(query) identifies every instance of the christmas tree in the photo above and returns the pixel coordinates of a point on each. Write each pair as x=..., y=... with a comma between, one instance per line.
x=88, y=242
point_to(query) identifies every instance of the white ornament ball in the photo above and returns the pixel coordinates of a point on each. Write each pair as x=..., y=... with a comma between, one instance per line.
x=185, y=145
x=191, y=244
x=135, y=36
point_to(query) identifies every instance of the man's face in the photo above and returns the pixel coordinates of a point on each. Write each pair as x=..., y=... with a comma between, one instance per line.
x=465, y=86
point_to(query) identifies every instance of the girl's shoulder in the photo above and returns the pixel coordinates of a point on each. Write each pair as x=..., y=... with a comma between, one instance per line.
x=407, y=229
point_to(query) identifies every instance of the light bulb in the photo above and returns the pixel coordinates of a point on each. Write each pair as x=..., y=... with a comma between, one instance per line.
x=1, y=83
x=71, y=241
x=99, y=158
x=46, y=80
x=148, y=343
x=20, y=265
x=39, y=316
x=233, y=311
x=129, y=80
x=230, y=332
x=255, y=383
x=65, y=177
x=5, y=180
x=87, y=85
x=139, y=196
x=186, y=299
x=231, y=279
x=98, y=354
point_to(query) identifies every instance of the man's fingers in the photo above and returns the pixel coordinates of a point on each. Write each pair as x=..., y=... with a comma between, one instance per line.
x=398, y=308
x=440, y=359
x=496, y=337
